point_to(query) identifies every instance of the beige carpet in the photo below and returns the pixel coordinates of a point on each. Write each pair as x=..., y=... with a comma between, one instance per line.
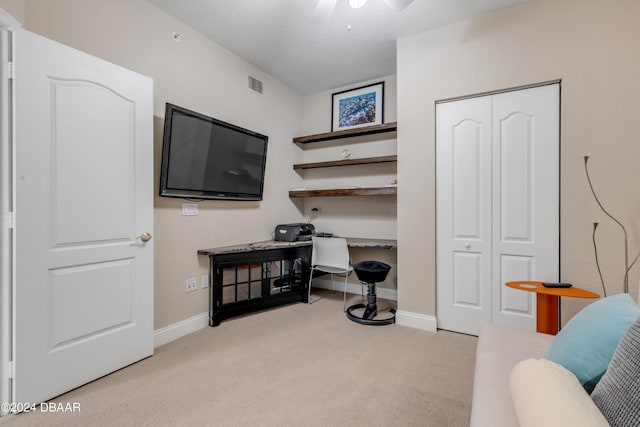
x=296, y=365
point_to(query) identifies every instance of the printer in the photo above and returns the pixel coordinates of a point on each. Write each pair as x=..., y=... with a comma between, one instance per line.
x=299, y=231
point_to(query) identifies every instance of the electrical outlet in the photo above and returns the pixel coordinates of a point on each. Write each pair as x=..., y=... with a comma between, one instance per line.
x=191, y=285
x=205, y=281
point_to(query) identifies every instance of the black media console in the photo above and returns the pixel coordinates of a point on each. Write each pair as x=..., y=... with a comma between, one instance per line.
x=256, y=276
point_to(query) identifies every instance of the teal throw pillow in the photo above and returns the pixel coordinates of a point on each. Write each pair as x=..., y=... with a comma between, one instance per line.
x=586, y=344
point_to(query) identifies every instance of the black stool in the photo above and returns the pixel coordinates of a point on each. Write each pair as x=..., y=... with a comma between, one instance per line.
x=370, y=272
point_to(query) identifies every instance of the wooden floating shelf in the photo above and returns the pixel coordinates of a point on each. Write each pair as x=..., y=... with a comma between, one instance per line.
x=347, y=162
x=372, y=191
x=348, y=133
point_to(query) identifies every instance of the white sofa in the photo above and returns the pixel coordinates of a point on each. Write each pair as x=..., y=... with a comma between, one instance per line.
x=588, y=375
x=499, y=350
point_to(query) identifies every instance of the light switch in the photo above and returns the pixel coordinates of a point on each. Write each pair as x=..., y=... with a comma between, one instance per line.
x=189, y=209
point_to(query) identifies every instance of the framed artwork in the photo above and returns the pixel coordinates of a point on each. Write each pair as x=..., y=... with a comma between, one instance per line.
x=362, y=106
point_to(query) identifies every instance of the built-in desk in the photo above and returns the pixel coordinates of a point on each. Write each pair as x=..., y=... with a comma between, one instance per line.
x=254, y=276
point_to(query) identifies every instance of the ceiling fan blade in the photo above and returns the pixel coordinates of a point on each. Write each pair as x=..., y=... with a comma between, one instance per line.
x=398, y=5
x=323, y=11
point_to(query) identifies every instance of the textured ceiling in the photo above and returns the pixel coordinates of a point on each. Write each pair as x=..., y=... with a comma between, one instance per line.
x=280, y=37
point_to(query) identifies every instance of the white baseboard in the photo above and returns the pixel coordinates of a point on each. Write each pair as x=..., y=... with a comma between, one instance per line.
x=353, y=288
x=417, y=320
x=185, y=327
x=180, y=329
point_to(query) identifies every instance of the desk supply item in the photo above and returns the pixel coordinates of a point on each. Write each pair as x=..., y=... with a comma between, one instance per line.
x=296, y=232
x=557, y=285
x=323, y=234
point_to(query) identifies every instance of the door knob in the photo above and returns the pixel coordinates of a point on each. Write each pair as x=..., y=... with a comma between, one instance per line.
x=467, y=245
x=145, y=237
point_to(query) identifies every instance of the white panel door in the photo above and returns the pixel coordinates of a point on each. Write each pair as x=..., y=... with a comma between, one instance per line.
x=526, y=199
x=83, y=190
x=497, y=206
x=463, y=220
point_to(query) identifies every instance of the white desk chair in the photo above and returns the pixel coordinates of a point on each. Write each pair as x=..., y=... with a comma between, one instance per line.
x=330, y=255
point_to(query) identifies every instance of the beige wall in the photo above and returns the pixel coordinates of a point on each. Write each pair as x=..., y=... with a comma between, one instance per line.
x=349, y=216
x=593, y=47
x=15, y=8
x=375, y=216
x=203, y=76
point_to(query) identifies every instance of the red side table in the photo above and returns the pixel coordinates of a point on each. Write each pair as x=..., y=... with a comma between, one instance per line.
x=548, y=303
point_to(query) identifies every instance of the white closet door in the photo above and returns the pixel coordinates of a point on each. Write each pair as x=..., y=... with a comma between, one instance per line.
x=526, y=199
x=497, y=213
x=83, y=178
x=463, y=221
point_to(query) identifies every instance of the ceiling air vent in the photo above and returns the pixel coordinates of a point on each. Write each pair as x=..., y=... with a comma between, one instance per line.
x=255, y=85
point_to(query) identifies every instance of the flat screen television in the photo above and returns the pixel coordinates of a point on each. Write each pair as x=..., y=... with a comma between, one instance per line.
x=206, y=158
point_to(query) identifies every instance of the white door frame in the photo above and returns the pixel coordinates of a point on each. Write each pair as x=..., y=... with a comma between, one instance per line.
x=7, y=24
